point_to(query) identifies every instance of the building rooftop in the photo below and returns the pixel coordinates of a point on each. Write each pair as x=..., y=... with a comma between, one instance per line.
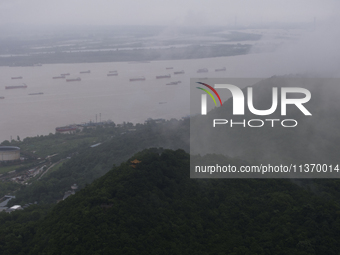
x=16, y=207
x=9, y=148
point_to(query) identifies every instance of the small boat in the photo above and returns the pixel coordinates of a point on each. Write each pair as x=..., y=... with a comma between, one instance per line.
x=76, y=79
x=163, y=76
x=113, y=71
x=203, y=70
x=17, y=87
x=221, y=69
x=2, y=97
x=162, y=102
x=38, y=93
x=17, y=77
x=179, y=72
x=142, y=78
x=173, y=83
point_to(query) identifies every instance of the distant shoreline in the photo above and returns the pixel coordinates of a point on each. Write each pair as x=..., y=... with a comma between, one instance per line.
x=132, y=56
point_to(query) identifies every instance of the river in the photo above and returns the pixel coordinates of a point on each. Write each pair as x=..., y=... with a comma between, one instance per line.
x=109, y=97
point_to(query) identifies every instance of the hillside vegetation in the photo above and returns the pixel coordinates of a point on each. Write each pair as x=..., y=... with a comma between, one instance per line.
x=153, y=207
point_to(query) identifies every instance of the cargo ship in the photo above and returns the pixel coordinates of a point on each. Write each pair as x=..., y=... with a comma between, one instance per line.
x=17, y=77
x=59, y=77
x=86, y=71
x=173, y=83
x=112, y=74
x=112, y=71
x=17, y=87
x=163, y=76
x=64, y=74
x=169, y=68
x=221, y=69
x=138, y=79
x=38, y=93
x=179, y=72
x=202, y=70
x=2, y=97
x=76, y=79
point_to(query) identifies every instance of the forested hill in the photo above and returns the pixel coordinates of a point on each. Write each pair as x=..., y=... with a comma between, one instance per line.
x=149, y=205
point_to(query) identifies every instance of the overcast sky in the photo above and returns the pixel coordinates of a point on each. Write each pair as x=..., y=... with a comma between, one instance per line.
x=163, y=12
